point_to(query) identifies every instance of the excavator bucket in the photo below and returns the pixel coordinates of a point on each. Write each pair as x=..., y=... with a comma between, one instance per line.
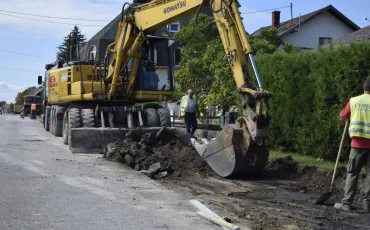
x=231, y=152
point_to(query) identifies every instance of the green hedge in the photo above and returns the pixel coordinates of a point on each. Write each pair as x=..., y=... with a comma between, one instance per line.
x=309, y=91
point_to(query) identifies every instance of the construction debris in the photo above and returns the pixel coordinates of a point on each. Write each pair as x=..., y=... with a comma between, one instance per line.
x=211, y=216
x=218, y=221
x=157, y=155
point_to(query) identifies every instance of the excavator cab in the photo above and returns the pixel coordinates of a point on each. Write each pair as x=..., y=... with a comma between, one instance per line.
x=155, y=73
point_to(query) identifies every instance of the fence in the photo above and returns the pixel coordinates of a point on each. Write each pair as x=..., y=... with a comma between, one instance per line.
x=204, y=122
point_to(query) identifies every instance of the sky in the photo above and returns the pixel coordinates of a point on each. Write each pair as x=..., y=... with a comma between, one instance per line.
x=32, y=37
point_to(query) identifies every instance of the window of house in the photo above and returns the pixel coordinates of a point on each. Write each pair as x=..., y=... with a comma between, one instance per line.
x=324, y=40
x=177, y=56
x=91, y=53
x=174, y=27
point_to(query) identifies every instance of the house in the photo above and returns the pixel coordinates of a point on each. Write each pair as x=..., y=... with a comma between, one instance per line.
x=165, y=53
x=36, y=92
x=357, y=36
x=313, y=29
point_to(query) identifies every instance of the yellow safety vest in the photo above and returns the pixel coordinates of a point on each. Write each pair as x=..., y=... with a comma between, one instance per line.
x=184, y=104
x=360, y=116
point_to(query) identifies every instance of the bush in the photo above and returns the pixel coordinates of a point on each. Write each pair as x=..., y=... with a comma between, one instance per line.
x=309, y=91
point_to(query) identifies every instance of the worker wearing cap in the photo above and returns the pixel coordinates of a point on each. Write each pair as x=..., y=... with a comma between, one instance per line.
x=357, y=111
x=188, y=108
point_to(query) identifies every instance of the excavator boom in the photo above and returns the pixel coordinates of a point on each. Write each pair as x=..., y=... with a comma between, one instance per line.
x=240, y=147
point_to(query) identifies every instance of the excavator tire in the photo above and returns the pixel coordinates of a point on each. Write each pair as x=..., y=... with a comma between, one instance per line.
x=74, y=121
x=52, y=128
x=88, y=118
x=164, y=117
x=65, y=128
x=152, y=118
x=74, y=118
x=46, y=122
x=58, y=129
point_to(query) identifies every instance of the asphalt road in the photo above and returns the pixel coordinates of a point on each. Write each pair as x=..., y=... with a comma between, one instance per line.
x=44, y=186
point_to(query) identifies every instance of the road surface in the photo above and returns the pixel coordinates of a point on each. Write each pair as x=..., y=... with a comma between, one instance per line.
x=44, y=186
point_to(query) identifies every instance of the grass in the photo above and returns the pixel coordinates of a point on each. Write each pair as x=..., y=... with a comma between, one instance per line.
x=38, y=117
x=307, y=160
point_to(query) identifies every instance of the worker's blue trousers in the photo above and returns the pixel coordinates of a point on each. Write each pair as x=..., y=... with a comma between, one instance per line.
x=191, y=122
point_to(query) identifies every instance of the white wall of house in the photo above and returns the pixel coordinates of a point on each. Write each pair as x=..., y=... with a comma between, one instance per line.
x=323, y=25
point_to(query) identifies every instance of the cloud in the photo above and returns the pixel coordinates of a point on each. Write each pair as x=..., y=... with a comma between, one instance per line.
x=83, y=9
x=6, y=86
x=8, y=92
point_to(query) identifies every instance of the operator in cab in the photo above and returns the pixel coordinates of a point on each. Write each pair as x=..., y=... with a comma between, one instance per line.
x=357, y=111
x=188, y=109
x=33, y=111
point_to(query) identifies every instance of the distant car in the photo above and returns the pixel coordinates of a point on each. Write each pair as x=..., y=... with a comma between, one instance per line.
x=1, y=112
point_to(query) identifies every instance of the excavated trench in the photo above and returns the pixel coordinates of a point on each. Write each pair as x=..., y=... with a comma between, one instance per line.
x=282, y=198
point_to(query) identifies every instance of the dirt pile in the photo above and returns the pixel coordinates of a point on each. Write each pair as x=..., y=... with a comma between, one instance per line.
x=311, y=178
x=282, y=167
x=158, y=155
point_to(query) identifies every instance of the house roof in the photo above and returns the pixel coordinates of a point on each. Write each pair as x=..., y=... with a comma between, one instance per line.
x=34, y=91
x=110, y=30
x=357, y=36
x=290, y=25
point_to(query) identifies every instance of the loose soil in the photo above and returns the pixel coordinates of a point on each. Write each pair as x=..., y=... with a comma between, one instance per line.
x=282, y=198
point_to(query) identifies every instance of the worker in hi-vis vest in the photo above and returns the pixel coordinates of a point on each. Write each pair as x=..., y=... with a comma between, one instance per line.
x=357, y=111
x=188, y=109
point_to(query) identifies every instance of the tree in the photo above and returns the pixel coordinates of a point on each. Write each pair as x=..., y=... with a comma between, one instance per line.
x=289, y=48
x=71, y=40
x=20, y=95
x=204, y=66
x=268, y=42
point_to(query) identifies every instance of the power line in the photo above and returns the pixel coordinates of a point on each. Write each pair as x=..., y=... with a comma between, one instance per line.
x=1, y=67
x=266, y=10
x=45, y=16
x=31, y=55
x=12, y=78
x=49, y=21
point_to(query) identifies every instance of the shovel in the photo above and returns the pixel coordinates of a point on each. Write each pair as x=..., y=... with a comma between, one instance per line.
x=324, y=197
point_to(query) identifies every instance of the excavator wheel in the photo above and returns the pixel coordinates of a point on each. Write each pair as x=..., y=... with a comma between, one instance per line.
x=46, y=121
x=152, y=118
x=52, y=121
x=88, y=118
x=233, y=152
x=74, y=121
x=65, y=128
x=164, y=117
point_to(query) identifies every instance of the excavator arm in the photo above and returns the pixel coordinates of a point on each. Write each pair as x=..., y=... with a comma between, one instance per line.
x=240, y=147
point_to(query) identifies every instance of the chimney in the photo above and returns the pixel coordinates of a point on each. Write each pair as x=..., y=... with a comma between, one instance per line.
x=275, y=18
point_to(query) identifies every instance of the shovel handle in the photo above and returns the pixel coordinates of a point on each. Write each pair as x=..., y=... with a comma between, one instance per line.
x=338, y=156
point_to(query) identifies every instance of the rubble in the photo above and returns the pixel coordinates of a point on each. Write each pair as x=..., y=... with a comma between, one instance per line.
x=157, y=155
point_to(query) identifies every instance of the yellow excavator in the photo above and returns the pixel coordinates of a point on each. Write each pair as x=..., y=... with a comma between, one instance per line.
x=91, y=103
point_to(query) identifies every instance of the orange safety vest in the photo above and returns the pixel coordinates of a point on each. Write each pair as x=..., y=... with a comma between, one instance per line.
x=33, y=107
